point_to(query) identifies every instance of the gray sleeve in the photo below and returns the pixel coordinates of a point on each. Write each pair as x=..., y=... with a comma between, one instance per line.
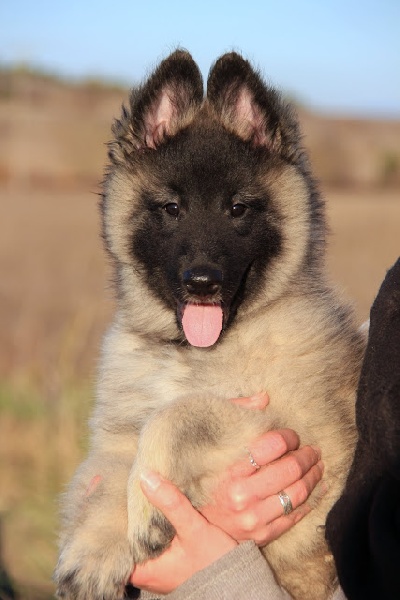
x=240, y=574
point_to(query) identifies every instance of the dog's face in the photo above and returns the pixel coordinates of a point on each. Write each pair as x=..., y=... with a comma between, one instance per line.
x=206, y=204
x=209, y=229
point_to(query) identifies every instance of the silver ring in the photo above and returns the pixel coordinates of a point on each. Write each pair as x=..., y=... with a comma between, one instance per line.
x=252, y=461
x=286, y=502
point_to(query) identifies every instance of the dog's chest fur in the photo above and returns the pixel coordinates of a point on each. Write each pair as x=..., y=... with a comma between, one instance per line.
x=290, y=352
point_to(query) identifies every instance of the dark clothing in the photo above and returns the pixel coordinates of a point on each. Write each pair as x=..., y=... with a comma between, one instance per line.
x=363, y=528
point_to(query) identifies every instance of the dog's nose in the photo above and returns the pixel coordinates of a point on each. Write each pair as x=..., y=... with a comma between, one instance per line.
x=202, y=281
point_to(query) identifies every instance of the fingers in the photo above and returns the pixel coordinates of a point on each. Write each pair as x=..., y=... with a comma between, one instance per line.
x=172, y=503
x=301, y=468
x=256, y=402
x=272, y=531
x=294, y=467
x=272, y=507
x=267, y=449
x=298, y=492
x=195, y=546
x=260, y=517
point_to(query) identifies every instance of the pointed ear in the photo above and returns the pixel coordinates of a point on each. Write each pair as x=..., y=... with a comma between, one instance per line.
x=165, y=103
x=251, y=109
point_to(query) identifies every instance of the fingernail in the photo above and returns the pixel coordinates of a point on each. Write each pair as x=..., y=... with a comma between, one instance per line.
x=321, y=466
x=150, y=480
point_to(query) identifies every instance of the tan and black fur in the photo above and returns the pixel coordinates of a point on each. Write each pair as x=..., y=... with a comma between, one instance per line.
x=179, y=163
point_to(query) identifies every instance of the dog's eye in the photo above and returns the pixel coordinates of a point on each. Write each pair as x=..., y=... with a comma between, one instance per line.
x=238, y=210
x=172, y=209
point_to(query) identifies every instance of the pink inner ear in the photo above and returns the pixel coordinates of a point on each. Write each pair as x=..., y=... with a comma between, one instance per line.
x=247, y=112
x=158, y=118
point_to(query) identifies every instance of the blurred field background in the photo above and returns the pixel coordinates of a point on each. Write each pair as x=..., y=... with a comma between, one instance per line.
x=54, y=291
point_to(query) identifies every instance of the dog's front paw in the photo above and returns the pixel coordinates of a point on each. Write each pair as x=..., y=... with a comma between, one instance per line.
x=149, y=532
x=94, y=569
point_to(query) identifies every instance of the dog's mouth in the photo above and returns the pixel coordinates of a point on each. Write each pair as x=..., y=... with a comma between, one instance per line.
x=201, y=323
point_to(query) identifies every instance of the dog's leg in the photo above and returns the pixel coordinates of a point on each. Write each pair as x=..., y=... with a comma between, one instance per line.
x=190, y=442
x=95, y=559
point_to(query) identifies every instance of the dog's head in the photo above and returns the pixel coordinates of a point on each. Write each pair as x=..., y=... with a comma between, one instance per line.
x=209, y=207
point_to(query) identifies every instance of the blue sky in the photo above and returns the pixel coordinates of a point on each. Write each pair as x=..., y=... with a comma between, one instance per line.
x=341, y=56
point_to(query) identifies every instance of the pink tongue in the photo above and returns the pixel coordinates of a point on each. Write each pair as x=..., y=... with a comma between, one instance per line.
x=202, y=324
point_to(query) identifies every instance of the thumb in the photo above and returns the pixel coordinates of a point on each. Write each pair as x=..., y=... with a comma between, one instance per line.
x=174, y=505
x=256, y=402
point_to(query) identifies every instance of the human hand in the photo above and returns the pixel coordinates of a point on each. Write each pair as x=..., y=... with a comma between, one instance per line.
x=245, y=506
x=245, y=502
x=183, y=557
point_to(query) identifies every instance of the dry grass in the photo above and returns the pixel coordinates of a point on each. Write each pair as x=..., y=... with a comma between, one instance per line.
x=53, y=286
x=365, y=241
x=55, y=298
x=55, y=304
